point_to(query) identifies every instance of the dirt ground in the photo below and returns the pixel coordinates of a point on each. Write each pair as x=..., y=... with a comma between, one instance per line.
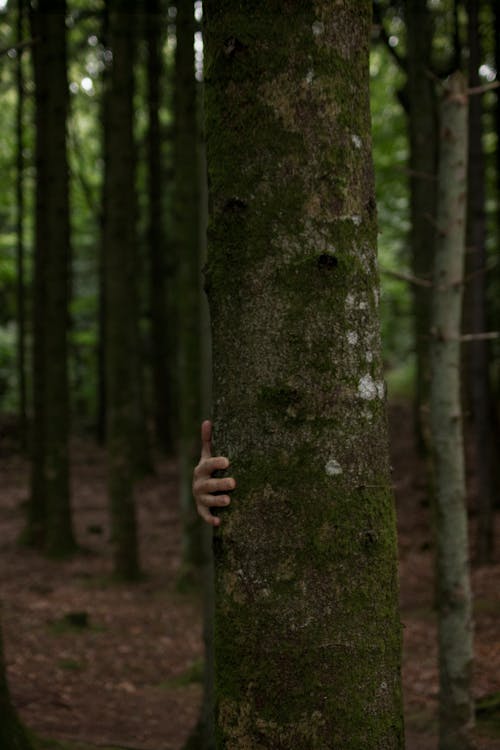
x=93, y=661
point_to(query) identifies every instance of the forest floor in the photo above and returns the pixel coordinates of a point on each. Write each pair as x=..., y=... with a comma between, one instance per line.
x=95, y=662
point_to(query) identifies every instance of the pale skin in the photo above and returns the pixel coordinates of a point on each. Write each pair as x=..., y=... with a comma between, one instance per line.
x=204, y=485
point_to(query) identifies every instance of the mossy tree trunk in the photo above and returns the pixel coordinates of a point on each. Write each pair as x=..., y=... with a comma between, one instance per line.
x=162, y=386
x=12, y=734
x=307, y=633
x=454, y=597
x=49, y=512
x=122, y=398
x=186, y=229
x=475, y=313
x=423, y=137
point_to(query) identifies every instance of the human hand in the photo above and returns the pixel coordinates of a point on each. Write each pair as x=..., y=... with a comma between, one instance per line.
x=204, y=485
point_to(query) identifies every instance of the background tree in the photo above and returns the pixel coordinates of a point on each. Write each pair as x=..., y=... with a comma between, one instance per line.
x=306, y=653
x=475, y=311
x=122, y=364
x=49, y=518
x=454, y=598
x=187, y=247
x=20, y=260
x=158, y=264
x=422, y=132
x=101, y=286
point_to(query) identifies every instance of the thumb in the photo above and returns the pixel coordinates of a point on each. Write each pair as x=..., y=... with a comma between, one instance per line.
x=206, y=439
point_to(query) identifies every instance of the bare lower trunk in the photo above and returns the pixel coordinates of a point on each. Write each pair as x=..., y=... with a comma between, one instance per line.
x=454, y=596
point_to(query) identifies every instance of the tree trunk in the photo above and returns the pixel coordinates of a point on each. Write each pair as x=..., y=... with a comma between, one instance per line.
x=122, y=397
x=162, y=386
x=454, y=597
x=422, y=127
x=20, y=262
x=12, y=734
x=101, y=312
x=186, y=223
x=496, y=24
x=50, y=520
x=477, y=352
x=307, y=633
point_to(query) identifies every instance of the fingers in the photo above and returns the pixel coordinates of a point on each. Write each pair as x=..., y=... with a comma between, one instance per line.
x=205, y=486
x=206, y=439
x=214, y=501
x=207, y=516
x=205, y=502
x=208, y=465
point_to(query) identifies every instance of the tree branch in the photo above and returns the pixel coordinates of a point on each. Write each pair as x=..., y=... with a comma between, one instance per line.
x=406, y=277
x=19, y=46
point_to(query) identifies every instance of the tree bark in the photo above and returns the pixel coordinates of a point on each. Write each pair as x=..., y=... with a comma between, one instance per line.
x=50, y=511
x=20, y=252
x=122, y=398
x=307, y=633
x=477, y=351
x=162, y=385
x=186, y=227
x=423, y=137
x=454, y=596
x=101, y=311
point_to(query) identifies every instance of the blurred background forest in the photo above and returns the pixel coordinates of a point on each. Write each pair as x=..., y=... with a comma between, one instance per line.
x=104, y=350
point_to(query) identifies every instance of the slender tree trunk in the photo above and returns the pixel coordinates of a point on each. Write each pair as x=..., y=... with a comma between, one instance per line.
x=307, y=634
x=12, y=734
x=496, y=18
x=162, y=386
x=186, y=223
x=121, y=295
x=35, y=530
x=50, y=512
x=21, y=306
x=101, y=314
x=454, y=596
x=422, y=126
x=477, y=352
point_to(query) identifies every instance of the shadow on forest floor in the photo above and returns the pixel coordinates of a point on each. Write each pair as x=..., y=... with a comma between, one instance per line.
x=118, y=667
